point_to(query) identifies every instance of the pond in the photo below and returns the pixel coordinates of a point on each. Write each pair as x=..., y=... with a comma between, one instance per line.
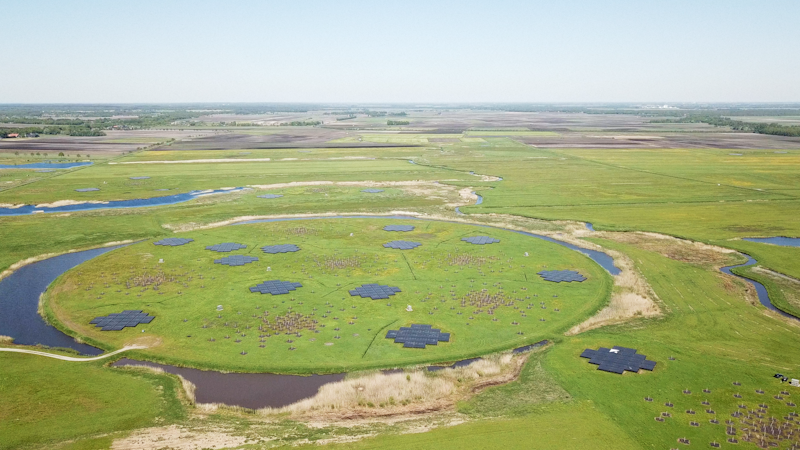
x=248, y=390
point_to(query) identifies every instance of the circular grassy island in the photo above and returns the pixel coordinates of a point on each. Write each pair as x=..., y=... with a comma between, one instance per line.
x=488, y=297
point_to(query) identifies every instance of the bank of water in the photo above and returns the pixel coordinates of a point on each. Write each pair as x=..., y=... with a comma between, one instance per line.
x=477, y=202
x=46, y=165
x=19, y=299
x=135, y=203
x=248, y=390
x=779, y=240
x=761, y=291
x=19, y=302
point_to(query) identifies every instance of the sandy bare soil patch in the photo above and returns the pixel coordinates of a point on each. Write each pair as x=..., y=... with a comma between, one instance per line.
x=178, y=438
x=632, y=297
x=68, y=202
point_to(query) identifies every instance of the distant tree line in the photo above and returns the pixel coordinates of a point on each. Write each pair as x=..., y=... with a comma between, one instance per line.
x=397, y=122
x=59, y=129
x=302, y=123
x=738, y=125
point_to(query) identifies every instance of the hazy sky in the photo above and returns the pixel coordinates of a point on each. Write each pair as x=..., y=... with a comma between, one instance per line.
x=400, y=51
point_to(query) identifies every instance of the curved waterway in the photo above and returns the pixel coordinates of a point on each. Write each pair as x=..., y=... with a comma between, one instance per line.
x=477, y=202
x=19, y=302
x=46, y=165
x=763, y=295
x=779, y=240
x=135, y=203
x=19, y=299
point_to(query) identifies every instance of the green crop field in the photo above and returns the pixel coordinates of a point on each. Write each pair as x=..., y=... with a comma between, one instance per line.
x=488, y=297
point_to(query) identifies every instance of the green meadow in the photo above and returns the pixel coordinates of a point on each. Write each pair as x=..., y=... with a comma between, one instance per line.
x=488, y=297
x=44, y=401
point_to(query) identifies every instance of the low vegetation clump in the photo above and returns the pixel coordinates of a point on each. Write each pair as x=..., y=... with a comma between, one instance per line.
x=404, y=392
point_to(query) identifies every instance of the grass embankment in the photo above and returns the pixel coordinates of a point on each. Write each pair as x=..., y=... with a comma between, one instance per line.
x=434, y=279
x=44, y=401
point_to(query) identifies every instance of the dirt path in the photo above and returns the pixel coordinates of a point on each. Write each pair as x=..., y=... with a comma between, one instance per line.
x=71, y=358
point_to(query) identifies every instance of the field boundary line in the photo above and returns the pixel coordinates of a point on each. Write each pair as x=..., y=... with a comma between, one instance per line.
x=376, y=337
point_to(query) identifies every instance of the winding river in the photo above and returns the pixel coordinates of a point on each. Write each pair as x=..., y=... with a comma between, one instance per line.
x=19, y=301
x=135, y=203
x=20, y=292
x=763, y=295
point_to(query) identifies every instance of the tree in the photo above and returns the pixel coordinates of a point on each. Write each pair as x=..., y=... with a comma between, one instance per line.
x=60, y=153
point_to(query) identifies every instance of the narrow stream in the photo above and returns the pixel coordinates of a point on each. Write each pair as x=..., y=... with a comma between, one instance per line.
x=19, y=298
x=46, y=165
x=779, y=240
x=135, y=203
x=763, y=295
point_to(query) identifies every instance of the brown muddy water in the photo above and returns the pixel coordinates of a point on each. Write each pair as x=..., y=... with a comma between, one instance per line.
x=248, y=390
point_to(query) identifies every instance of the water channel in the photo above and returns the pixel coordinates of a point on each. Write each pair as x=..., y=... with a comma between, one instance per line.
x=19, y=298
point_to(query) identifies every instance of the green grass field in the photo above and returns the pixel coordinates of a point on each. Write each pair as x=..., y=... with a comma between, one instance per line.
x=44, y=401
x=436, y=279
x=578, y=427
